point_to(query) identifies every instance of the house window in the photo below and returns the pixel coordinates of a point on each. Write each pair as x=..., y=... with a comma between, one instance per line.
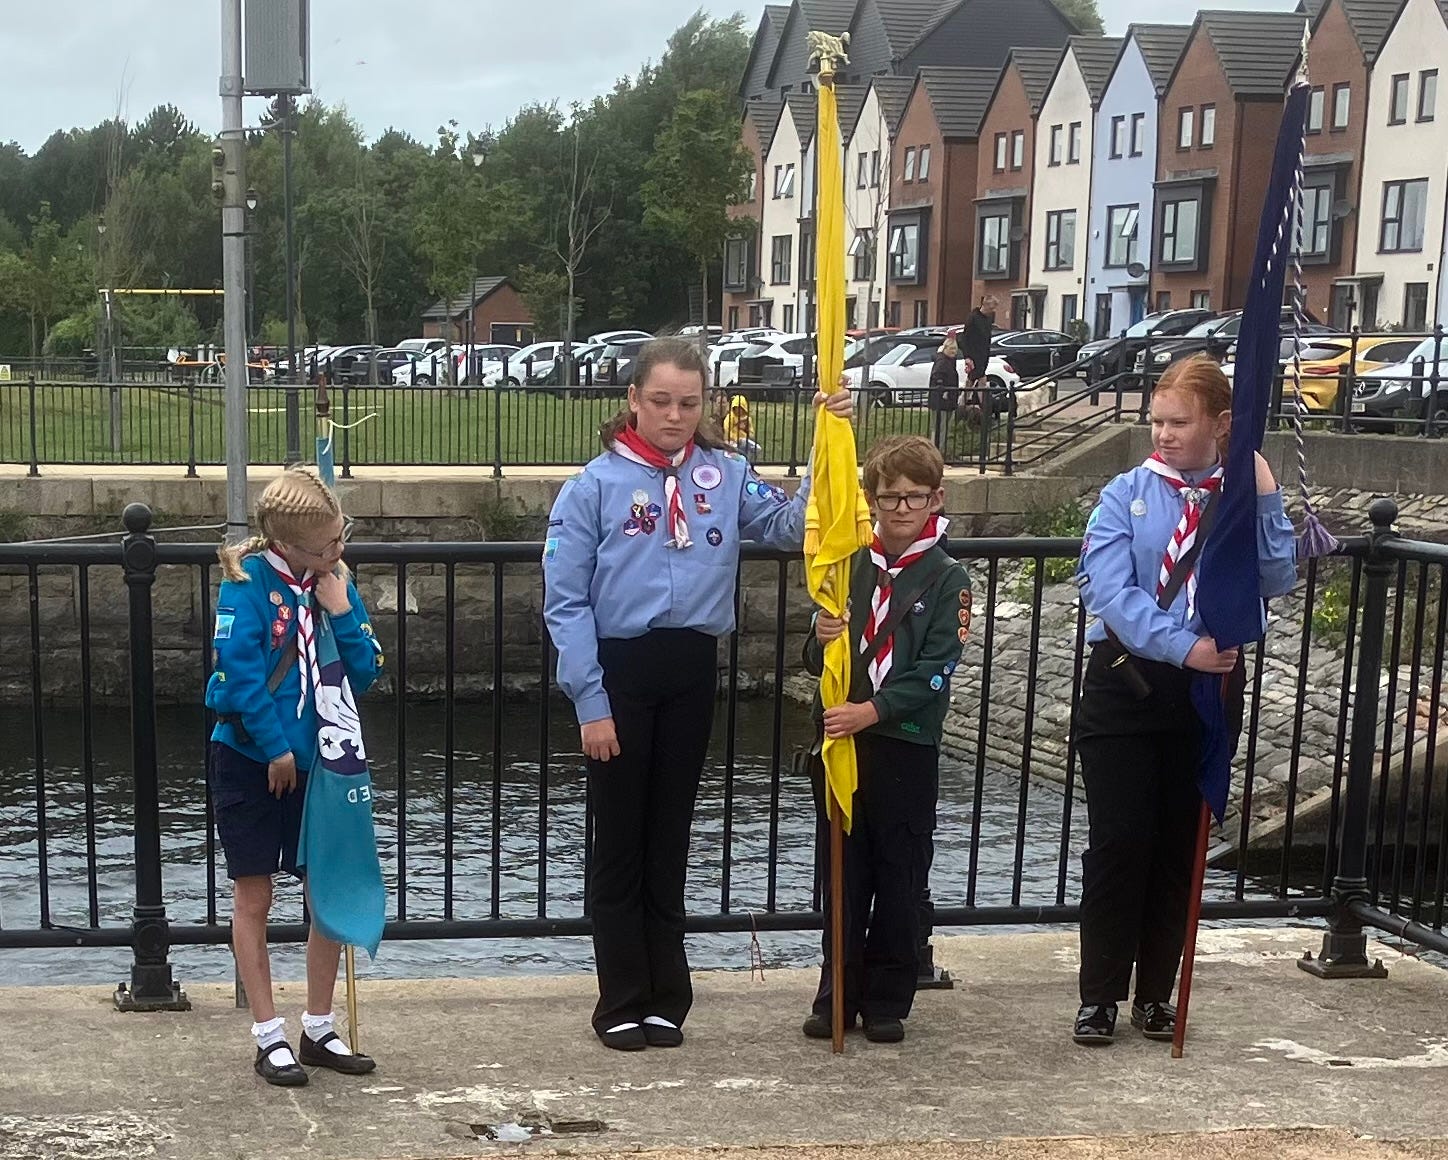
x=1415, y=306
x=1122, y=227
x=893, y=314
x=905, y=253
x=862, y=170
x=1118, y=136
x=733, y=318
x=1070, y=310
x=806, y=257
x=1315, y=109
x=910, y=164
x=1315, y=221
x=781, y=247
x=874, y=169
x=1018, y=149
x=784, y=180
x=1055, y=157
x=852, y=312
x=1427, y=93
x=1186, y=121
x=736, y=263
x=760, y=313
x=862, y=249
x=1208, y=136
x=1138, y=133
x=1341, y=106
x=922, y=313
x=1163, y=300
x=789, y=318
x=1000, y=152
x=924, y=162
x=1201, y=299
x=995, y=243
x=1179, y=222
x=1398, y=103
x=753, y=191
x=1073, y=144
x=1405, y=205
x=1060, y=239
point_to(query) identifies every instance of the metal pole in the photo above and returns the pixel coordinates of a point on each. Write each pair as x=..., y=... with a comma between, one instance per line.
x=294, y=409
x=233, y=261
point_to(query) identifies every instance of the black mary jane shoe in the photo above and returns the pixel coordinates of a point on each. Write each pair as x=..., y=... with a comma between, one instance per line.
x=1154, y=1020
x=280, y=1075
x=659, y=1036
x=625, y=1038
x=1095, y=1024
x=318, y=1054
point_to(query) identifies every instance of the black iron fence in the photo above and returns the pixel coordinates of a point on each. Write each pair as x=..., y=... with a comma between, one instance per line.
x=504, y=855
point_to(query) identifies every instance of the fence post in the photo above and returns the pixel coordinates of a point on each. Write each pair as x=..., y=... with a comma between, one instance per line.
x=1010, y=433
x=1347, y=387
x=799, y=389
x=190, y=430
x=34, y=439
x=1145, y=383
x=151, y=987
x=1344, y=946
x=1430, y=427
x=498, y=422
x=346, y=430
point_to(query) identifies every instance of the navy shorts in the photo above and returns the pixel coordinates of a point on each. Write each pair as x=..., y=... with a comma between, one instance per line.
x=258, y=831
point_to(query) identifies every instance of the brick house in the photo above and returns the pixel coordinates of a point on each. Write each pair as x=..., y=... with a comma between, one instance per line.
x=498, y=315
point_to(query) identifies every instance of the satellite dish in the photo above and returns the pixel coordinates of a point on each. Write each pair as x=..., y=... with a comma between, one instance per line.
x=1341, y=208
x=1017, y=233
x=1136, y=270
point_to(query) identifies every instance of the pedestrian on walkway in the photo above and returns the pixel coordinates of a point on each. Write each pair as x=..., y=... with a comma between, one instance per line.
x=975, y=344
x=910, y=606
x=1136, y=729
x=281, y=589
x=945, y=381
x=640, y=565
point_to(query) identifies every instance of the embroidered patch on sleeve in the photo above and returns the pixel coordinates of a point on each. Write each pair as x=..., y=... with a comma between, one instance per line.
x=224, y=621
x=550, y=548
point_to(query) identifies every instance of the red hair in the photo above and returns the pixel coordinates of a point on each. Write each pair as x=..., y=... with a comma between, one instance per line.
x=1200, y=377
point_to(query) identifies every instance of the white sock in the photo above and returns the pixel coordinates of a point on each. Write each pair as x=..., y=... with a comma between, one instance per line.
x=318, y=1027
x=660, y=1021
x=622, y=1027
x=271, y=1038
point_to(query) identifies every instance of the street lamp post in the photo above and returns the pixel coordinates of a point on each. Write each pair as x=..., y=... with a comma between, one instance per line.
x=106, y=360
x=478, y=152
x=251, y=203
x=294, y=419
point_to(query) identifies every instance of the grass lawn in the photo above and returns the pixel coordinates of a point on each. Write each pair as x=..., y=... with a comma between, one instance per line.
x=167, y=425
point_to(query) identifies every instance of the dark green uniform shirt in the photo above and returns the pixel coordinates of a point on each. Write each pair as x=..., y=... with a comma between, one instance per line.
x=928, y=641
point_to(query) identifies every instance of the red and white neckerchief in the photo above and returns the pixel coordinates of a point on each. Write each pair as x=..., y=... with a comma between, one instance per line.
x=633, y=446
x=934, y=531
x=1194, y=498
x=306, y=627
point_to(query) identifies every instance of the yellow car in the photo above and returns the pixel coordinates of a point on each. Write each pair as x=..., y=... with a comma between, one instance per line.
x=1325, y=360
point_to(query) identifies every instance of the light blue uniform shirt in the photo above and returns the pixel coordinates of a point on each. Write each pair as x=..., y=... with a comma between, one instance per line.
x=1126, y=538
x=612, y=576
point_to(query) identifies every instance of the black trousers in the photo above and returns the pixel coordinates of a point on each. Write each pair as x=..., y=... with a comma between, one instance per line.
x=661, y=687
x=1138, y=762
x=886, y=861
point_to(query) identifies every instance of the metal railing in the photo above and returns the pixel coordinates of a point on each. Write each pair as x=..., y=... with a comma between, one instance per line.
x=1381, y=860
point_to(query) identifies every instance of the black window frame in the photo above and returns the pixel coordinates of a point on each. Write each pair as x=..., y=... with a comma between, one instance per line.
x=1073, y=143
x=895, y=275
x=1338, y=90
x=1423, y=78
x=1055, y=220
x=1116, y=147
x=736, y=254
x=780, y=266
x=1133, y=251
x=1001, y=214
x=1398, y=113
x=1137, y=140
x=1317, y=100
x=1186, y=131
x=1316, y=192
x=907, y=166
x=1205, y=140
x=1176, y=194
x=1056, y=148
x=1002, y=156
x=1383, y=221
x=1018, y=155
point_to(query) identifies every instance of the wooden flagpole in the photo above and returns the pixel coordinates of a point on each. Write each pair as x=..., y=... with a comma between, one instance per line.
x=351, y=959
x=1194, y=918
x=837, y=927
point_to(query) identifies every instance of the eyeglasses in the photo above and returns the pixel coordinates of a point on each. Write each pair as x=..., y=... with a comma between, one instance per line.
x=347, y=525
x=914, y=500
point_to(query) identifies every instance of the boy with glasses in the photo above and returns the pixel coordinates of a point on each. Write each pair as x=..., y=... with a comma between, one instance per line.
x=908, y=618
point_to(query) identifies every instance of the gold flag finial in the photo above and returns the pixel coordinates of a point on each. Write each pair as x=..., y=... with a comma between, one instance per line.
x=830, y=51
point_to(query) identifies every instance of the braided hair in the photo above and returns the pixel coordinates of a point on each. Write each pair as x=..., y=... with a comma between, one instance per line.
x=295, y=501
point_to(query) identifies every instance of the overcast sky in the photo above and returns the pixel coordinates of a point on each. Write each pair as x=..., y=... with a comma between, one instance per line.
x=409, y=64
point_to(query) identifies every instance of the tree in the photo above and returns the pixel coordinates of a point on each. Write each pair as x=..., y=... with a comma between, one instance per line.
x=580, y=217
x=699, y=168
x=1084, y=15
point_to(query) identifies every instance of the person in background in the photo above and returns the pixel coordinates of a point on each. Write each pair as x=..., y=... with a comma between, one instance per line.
x=975, y=344
x=945, y=380
x=739, y=428
x=640, y=566
x=1136, y=729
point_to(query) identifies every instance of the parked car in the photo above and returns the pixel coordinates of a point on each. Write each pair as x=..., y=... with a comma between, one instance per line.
x=902, y=377
x=1216, y=337
x=616, y=362
x=1324, y=359
x=1403, y=392
x=389, y=363
x=521, y=364
x=483, y=360
x=875, y=346
x=751, y=334
x=1112, y=356
x=775, y=362
x=422, y=345
x=618, y=335
x=1035, y=354
x=724, y=363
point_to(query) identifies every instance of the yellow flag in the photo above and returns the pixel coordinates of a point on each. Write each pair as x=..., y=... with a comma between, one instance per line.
x=837, y=521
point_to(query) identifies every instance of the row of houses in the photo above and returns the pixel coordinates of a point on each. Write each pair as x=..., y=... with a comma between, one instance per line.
x=1088, y=180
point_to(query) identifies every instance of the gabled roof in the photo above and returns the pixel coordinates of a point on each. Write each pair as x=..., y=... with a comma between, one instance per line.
x=946, y=8
x=1095, y=57
x=893, y=94
x=904, y=20
x=1036, y=67
x=1258, y=50
x=1161, y=47
x=1370, y=21
x=1312, y=9
x=1442, y=11
x=805, y=16
x=764, y=113
x=958, y=97
x=802, y=110
x=849, y=100
x=755, y=80
x=442, y=310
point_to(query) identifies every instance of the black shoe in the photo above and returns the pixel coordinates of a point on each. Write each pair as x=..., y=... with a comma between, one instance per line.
x=817, y=1026
x=281, y=1075
x=1156, y=1020
x=1095, y=1024
x=884, y=1030
x=316, y=1053
x=625, y=1039
x=657, y=1036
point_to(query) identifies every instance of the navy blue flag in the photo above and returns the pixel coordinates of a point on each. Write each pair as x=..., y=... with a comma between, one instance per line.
x=1229, y=597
